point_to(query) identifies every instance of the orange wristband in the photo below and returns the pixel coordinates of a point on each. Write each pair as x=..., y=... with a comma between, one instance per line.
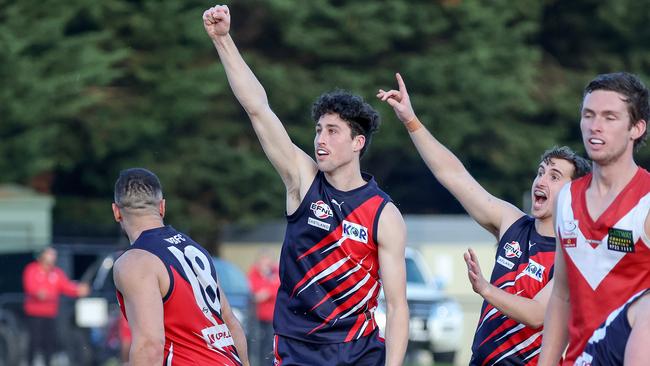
x=413, y=124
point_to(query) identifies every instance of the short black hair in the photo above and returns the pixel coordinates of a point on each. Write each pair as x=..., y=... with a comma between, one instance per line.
x=581, y=165
x=360, y=116
x=137, y=189
x=635, y=92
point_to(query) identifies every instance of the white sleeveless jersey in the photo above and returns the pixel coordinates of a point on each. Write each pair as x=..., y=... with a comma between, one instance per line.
x=607, y=260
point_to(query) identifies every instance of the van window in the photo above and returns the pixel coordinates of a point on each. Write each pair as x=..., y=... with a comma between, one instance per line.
x=413, y=274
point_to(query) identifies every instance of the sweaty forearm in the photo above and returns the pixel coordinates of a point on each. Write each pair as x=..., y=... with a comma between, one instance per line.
x=244, y=84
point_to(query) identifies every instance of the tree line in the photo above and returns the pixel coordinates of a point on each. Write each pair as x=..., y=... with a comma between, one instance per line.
x=89, y=88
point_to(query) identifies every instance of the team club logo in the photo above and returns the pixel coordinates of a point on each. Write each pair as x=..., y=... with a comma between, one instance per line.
x=535, y=270
x=355, y=231
x=321, y=209
x=512, y=249
x=569, y=234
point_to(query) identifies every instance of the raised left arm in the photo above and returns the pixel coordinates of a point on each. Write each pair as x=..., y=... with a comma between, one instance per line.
x=391, y=236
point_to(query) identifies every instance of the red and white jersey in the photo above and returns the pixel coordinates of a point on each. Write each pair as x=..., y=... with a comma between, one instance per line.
x=607, y=260
x=195, y=333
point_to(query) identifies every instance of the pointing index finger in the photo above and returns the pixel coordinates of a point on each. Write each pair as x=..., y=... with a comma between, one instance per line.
x=400, y=82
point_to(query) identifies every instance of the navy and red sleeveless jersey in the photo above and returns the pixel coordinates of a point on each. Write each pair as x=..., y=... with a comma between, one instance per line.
x=607, y=258
x=607, y=344
x=329, y=268
x=524, y=265
x=195, y=333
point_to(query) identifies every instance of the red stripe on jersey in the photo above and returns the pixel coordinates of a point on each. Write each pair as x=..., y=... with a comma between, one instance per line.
x=364, y=213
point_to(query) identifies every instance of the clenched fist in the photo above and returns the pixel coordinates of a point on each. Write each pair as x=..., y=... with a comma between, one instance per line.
x=216, y=21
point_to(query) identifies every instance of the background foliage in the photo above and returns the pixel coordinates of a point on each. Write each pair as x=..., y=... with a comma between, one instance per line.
x=89, y=88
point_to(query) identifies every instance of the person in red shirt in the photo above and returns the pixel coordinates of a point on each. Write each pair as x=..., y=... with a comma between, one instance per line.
x=43, y=283
x=264, y=280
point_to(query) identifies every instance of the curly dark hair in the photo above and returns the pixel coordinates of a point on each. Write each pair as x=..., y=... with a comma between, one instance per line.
x=360, y=116
x=635, y=92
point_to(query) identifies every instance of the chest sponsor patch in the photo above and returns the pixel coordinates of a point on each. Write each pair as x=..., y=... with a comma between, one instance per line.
x=355, y=231
x=319, y=224
x=620, y=240
x=513, y=249
x=535, y=270
x=321, y=209
x=504, y=262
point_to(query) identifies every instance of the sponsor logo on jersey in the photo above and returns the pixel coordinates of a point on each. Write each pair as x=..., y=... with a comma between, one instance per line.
x=337, y=203
x=593, y=242
x=512, y=249
x=218, y=336
x=620, y=240
x=535, y=270
x=355, y=231
x=319, y=224
x=176, y=239
x=569, y=233
x=321, y=209
x=504, y=262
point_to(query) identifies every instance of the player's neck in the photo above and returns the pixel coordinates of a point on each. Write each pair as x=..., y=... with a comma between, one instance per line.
x=134, y=228
x=345, y=178
x=544, y=226
x=612, y=178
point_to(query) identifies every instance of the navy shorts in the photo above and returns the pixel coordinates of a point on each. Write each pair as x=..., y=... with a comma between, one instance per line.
x=366, y=351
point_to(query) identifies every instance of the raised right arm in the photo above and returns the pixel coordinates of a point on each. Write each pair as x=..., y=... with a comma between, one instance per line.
x=492, y=213
x=294, y=166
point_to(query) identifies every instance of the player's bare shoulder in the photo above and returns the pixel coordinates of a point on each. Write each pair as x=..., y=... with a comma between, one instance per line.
x=391, y=227
x=136, y=264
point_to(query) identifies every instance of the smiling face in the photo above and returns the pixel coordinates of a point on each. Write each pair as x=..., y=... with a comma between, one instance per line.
x=607, y=131
x=334, y=145
x=551, y=176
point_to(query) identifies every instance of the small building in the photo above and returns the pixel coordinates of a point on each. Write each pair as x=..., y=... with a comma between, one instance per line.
x=25, y=219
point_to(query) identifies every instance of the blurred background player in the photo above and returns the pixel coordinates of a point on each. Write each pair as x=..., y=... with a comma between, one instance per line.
x=44, y=283
x=522, y=276
x=264, y=280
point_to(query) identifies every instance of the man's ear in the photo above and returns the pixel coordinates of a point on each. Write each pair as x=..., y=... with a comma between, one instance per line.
x=116, y=212
x=359, y=142
x=638, y=129
x=161, y=208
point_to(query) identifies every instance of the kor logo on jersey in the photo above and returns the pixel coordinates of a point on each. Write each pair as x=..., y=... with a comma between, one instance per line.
x=176, y=239
x=355, y=231
x=512, y=249
x=321, y=209
x=535, y=270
